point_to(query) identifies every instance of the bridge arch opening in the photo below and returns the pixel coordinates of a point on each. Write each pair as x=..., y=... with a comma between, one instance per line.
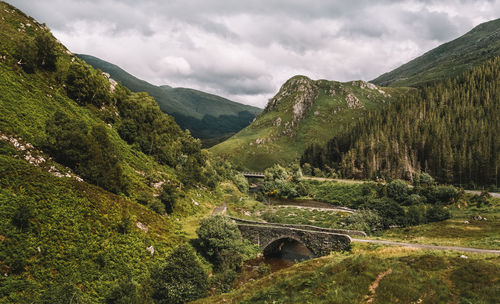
x=287, y=248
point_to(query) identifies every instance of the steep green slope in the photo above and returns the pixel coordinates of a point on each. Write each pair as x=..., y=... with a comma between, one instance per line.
x=381, y=275
x=303, y=112
x=64, y=239
x=207, y=116
x=449, y=129
x=449, y=59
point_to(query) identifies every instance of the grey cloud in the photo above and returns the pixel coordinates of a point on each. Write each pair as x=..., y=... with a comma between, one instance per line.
x=245, y=50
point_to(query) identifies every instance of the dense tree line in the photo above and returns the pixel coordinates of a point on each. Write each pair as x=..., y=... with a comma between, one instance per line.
x=449, y=129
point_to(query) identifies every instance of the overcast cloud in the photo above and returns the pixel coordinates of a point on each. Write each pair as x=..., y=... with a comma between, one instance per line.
x=245, y=50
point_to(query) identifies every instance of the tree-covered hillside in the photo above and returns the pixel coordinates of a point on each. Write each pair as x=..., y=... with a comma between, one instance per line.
x=449, y=129
x=207, y=116
x=448, y=60
x=96, y=182
x=304, y=111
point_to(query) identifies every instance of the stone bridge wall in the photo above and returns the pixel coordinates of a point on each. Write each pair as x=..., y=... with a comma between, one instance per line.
x=318, y=242
x=303, y=227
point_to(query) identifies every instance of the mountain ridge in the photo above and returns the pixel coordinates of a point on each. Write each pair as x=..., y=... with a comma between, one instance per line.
x=206, y=115
x=449, y=59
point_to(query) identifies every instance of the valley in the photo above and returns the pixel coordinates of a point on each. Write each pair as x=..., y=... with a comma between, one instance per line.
x=114, y=190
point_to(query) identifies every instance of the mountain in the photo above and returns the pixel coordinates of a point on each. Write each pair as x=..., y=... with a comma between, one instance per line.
x=207, y=116
x=449, y=129
x=448, y=60
x=303, y=112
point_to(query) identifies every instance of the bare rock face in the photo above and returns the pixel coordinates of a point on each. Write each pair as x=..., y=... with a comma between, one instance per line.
x=364, y=85
x=303, y=92
x=353, y=102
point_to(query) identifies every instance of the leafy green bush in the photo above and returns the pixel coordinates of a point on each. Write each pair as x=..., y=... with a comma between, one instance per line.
x=423, y=180
x=397, y=190
x=125, y=291
x=181, y=279
x=443, y=194
x=91, y=154
x=365, y=220
x=25, y=54
x=415, y=199
x=219, y=239
x=437, y=213
x=279, y=182
x=46, y=51
x=87, y=86
x=391, y=213
x=415, y=215
x=23, y=213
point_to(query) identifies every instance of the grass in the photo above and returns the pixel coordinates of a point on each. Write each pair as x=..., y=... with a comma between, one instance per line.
x=415, y=276
x=291, y=215
x=454, y=232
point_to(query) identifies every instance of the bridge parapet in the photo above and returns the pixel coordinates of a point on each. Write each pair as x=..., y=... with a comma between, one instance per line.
x=254, y=174
x=303, y=227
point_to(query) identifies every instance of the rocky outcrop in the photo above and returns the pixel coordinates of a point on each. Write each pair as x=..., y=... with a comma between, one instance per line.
x=299, y=90
x=353, y=101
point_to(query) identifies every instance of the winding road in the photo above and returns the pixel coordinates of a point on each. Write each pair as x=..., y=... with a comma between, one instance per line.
x=423, y=246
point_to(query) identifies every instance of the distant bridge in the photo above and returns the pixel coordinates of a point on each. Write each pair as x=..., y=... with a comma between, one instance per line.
x=253, y=174
x=271, y=236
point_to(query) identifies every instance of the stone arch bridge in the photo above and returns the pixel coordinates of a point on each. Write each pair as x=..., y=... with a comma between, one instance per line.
x=320, y=241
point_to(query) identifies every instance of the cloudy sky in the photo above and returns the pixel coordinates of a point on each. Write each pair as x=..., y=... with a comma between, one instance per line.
x=245, y=49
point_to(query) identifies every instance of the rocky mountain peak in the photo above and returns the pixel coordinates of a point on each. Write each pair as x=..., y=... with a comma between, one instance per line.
x=299, y=94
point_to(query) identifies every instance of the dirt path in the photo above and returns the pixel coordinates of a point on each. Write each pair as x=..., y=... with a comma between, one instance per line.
x=422, y=246
x=220, y=209
x=497, y=195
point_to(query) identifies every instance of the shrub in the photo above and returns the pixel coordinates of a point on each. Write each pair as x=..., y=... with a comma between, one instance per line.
x=390, y=212
x=25, y=54
x=307, y=169
x=240, y=181
x=168, y=197
x=278, y=182
x=219, y=239
x=415, y=215
x=444, y=194
x=87, y=86
x=415, y=199
x=423, y=180
x=397, y=190
x=181, y=279
x=22, y=214
x=437, y=213
x=125, y=291
x=365, y=220
x=91, y=154
x=318, y=173
x=46, y=51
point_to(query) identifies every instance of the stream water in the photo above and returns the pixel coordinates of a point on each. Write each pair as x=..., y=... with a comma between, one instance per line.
x=290, y=253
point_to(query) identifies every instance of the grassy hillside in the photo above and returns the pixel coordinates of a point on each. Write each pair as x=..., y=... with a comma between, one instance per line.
x=449, y=59
x=303, y=112
x=69, y=137
x=207, y=116
x=376, y=274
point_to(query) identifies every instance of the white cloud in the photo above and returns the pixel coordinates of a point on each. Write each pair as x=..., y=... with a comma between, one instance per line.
x=244, y=50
